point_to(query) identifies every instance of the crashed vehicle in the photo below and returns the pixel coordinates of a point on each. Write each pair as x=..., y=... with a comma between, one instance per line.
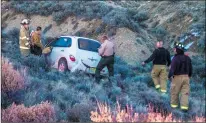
x=72, y=53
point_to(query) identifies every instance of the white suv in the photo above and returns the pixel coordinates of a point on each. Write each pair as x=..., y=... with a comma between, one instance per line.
x=75, y=53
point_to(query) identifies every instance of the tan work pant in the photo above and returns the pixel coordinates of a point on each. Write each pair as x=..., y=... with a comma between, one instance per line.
x=180, y=84
x=159, y=76
x=25, y=52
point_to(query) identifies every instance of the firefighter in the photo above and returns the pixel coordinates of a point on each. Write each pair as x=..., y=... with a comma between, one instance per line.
x=161, y=59
x=36, y=44
x=24, y=38
x=180, y=73
x=106, y=51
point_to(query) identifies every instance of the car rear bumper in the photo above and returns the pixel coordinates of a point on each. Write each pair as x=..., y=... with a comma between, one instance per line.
x=92, y=71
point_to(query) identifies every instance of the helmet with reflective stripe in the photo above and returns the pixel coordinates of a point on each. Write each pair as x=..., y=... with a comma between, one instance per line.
x=179, y=46
x=25, y=21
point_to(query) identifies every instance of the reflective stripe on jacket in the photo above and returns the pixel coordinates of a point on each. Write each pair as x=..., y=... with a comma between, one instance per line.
x=21, y=47
x=24, y=38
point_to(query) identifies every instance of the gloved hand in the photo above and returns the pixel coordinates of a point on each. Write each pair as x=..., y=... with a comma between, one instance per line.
x=26, y=44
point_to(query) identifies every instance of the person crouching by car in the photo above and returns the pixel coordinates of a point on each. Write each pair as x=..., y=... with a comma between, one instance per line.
x=106, y=51
x=36, y=45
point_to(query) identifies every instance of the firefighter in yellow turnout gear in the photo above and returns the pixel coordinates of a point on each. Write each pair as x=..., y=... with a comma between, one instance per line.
x=161, y=59
x=24, y=38
x=180, y=73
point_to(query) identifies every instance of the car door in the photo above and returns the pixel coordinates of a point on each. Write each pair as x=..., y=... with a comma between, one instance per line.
x=59, y=49
x=88, y=54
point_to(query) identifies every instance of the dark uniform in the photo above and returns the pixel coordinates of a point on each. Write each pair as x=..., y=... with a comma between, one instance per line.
x=107, y=52
x=181, y=70
x=161, y=59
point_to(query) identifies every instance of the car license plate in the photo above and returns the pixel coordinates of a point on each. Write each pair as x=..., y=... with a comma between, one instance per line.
x=93, y=70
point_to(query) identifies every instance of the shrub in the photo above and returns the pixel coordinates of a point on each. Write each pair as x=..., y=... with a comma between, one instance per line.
x=142, y=69
x=10, y=44
x=201, y=43
x=141, y=16
x=34, y=63
x=79, y=113
x=198, y=63
x=111, y=32
x=12, y=80
x=122, y=84
x=36, y=7
x=34, y=92
x=143, y=25
x=43, y=112
x=198, y=26
x=122, y=68
x=134, y=26
x=159, y=32
x=58, y=16
x=89, y=12
x=101, y=95
x=139, y=40
x=116, y=18
x=116, y=91
x=89, y=9
x=85, y=87
x=144, y=79
x=99, y=29
x=12, y=34
x=81, y=32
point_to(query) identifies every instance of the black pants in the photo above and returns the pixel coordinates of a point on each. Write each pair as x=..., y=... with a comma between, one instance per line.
x=107, y=61
x=36, y=50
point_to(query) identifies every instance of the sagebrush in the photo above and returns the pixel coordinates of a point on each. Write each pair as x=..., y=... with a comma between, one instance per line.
x=11, y=79
x=43, y=112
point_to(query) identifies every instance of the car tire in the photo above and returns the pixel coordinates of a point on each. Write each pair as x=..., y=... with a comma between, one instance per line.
x=62, y=65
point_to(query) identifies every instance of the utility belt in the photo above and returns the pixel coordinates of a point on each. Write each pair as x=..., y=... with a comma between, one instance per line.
x=107, y=56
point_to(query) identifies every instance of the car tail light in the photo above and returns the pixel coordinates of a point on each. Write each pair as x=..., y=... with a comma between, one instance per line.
x=72, y=58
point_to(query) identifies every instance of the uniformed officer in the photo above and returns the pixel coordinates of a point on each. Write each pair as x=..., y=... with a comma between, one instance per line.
x=161, y=59
x=106, y=51
x=180, y=73
x=24, y=38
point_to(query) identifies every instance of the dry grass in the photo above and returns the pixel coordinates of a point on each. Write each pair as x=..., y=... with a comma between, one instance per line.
x=104, y=113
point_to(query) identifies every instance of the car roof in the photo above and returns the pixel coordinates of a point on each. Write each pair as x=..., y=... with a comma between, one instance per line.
x=81, y=37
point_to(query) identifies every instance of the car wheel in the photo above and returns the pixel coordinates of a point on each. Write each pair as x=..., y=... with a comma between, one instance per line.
x=62, y=65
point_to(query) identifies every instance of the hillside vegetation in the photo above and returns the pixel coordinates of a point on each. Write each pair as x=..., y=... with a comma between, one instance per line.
x=134, y=27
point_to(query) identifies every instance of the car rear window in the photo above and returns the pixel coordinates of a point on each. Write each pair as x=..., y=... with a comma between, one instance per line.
x=89, y=45
x=62, y=42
